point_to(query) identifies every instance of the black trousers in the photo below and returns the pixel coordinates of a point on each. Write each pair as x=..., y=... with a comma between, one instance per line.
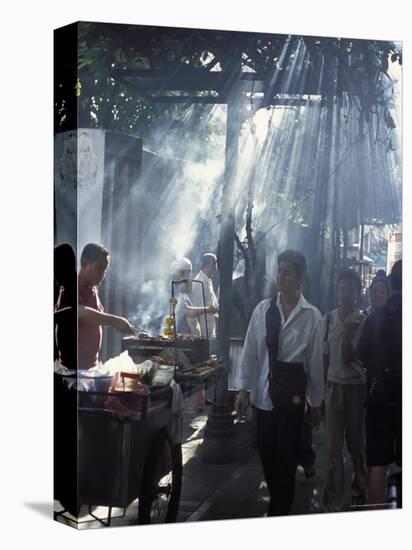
x=384, y=434
x=278, y=440
x=306, y=456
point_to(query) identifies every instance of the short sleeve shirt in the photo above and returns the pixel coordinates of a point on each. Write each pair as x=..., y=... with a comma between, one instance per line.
x=338, y=371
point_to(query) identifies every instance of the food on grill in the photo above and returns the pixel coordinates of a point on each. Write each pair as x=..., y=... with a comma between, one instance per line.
x=188, y=338
x=144, y=337
x=208, y=363
x=198, y=370
x=147, y=338
x=195, y=348
x=159, y=360
x=164, y=361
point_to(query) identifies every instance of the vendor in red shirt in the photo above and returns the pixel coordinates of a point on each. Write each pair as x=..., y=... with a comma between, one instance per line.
x=93, y=266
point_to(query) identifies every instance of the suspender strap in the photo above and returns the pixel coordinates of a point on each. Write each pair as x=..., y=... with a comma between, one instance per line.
x=287, y=381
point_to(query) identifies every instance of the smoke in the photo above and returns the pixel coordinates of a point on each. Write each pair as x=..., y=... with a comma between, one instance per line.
x=312, y=166
x=179, y=206
x=308, y=169
x=153, y=301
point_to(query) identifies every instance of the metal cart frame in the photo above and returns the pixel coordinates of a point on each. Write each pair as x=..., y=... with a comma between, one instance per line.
x=127, y=456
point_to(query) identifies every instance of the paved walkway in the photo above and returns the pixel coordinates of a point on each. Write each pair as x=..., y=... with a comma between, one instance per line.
x=229, y=491
x=235, y=490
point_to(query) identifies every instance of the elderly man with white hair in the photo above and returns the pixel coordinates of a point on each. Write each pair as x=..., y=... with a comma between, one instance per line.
x=187, y=315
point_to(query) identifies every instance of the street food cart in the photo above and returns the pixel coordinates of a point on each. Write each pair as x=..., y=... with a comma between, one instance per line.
x=126, y=442
x=126, y=448
x=126, y=452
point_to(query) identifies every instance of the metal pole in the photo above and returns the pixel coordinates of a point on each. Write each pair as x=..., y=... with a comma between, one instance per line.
x=361, y=247
x=174, y=326
x=362, y=241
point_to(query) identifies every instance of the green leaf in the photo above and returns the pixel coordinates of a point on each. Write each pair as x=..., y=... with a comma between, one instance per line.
x=85, y=63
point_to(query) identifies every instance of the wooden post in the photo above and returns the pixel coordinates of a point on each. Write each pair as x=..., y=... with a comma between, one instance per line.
x=227, y=232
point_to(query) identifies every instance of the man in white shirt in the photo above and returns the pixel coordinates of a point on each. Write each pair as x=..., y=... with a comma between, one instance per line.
x=281, y=361
x=208, y=268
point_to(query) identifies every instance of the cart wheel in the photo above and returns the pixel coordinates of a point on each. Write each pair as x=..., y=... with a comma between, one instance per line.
x=161, y=483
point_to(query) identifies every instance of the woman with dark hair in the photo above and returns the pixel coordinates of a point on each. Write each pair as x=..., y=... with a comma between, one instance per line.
x=65, y=401
x=345, y=397
x=65, y=300
x=378, y=293
x=380, y=349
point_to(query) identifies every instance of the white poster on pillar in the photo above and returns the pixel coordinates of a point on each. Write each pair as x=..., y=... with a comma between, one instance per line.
x=79, y=181
x=90, y=147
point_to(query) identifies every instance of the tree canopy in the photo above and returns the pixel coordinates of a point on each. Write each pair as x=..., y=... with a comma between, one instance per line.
x=115, y=63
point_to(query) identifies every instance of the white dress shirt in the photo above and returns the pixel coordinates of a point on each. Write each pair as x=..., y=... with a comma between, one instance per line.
x=210, y=300
x=300, y=341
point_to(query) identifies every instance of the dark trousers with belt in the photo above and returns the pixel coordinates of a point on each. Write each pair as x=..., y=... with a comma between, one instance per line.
x=278, y=441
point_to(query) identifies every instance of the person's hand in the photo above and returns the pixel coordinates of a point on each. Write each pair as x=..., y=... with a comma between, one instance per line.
x=315, y=414
x=352, y=321
x=122, y=325
x=242, y=403
x=211, y=309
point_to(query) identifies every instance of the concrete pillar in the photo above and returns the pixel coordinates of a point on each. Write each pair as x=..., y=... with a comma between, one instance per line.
x=219, y=444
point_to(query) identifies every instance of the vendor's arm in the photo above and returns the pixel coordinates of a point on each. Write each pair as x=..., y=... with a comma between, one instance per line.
x=193, y=311
x=95, y=317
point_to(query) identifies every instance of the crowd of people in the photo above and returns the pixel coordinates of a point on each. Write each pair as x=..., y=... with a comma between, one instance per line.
x=296, y=366
x=348, y=362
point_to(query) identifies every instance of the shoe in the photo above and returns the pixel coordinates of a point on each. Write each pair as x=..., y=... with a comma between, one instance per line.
x=310, y=472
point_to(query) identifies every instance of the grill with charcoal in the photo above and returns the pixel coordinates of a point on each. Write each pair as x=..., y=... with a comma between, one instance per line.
x=196, y=349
